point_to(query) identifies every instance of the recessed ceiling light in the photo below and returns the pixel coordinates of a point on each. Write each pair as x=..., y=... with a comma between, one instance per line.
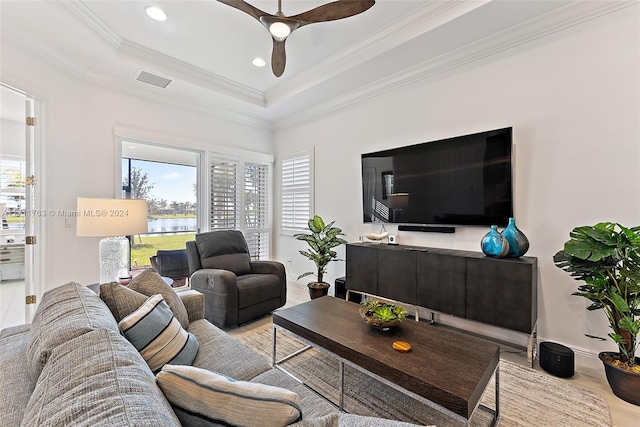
x=156, y=13
x=259, y=62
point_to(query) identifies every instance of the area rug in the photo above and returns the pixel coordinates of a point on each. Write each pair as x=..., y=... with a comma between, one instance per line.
x=527, y=397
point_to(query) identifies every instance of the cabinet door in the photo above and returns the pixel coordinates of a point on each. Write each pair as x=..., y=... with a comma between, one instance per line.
x=441, y=283
x=362, y=272
x=502, y=292
x=397, y=275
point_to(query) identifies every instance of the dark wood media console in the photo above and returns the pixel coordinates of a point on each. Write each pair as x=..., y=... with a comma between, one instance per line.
x=499, y=292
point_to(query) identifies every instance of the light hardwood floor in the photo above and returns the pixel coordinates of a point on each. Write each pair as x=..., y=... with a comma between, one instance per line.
x=623, y=414
x=12, y=308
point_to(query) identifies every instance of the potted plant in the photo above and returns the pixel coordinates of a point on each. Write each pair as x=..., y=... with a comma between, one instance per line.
x=321, y=240
x=381, y=314
x=606, y=257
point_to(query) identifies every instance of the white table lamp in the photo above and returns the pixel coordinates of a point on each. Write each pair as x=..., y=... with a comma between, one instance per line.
x=112, y=219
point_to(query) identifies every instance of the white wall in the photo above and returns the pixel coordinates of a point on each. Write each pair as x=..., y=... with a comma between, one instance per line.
x=79, y=148
x=573, y=101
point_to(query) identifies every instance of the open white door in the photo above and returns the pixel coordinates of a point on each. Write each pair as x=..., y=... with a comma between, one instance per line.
x=31, y=184
x=18, y=261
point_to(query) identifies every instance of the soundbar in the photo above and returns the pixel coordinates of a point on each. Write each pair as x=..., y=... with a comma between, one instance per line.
x=427, y=228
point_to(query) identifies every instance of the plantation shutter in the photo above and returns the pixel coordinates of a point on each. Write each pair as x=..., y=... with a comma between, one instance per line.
x=240, y=200
x=256, y=209
x=225, y=203
x=296, y=192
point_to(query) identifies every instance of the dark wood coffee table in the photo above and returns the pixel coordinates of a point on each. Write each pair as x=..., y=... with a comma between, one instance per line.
x=444, y=367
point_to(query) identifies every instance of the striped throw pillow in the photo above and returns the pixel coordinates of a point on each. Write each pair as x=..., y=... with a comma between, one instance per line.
x=158, y=336
x=203, y=397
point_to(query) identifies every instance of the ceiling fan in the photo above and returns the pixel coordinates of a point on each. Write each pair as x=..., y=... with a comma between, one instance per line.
x=280, y=26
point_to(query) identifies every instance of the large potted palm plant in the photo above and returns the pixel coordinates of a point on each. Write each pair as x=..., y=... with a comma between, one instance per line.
x=321, y=239
x=606, y=257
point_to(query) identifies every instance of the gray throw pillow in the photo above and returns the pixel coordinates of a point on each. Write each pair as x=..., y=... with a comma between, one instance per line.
x=150, y=283
x=121, y=300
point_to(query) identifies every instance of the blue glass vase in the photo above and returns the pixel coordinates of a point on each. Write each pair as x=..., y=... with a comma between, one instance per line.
x=518, y=242
x=494, y=244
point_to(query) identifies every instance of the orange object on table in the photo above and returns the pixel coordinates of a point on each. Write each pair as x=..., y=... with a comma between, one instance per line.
x=401, y=346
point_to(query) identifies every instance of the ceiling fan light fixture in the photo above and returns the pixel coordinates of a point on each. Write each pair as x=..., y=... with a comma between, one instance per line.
x=279, y=27
x=279, y=30
x=156, y=13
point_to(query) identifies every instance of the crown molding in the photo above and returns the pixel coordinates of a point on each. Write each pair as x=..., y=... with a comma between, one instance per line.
x=132, y=88
x=192, y=74
x=95, y=23
x=569, y=16
x=16, y=36
x=168, y=65
x=430, y=16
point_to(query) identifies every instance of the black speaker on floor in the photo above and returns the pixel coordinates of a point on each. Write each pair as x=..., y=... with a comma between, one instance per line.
x=557, y=359
x=340, y=290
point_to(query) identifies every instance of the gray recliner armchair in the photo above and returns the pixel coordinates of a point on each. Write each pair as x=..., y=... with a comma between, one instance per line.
x=236, y=288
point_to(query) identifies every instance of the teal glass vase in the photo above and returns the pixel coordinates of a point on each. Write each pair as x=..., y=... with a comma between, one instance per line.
x=494, y=244
x=518, y=242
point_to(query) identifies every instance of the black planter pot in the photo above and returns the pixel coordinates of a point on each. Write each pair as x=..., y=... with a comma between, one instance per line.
x=624, y=384
x=318, y=289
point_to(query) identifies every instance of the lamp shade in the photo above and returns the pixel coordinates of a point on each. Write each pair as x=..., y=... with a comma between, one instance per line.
x=111, y=217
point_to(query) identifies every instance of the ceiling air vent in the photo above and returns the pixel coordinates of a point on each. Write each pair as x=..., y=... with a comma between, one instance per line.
x=153, y=79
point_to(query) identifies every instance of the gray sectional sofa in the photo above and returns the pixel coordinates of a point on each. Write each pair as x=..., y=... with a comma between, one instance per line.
x=72, y=366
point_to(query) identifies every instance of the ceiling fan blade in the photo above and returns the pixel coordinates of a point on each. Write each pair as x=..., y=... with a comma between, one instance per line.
x=278, y=57
x=245, y=7
x=332, y=11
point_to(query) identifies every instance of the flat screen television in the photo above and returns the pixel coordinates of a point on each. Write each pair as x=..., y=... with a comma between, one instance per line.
x=464, y=180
